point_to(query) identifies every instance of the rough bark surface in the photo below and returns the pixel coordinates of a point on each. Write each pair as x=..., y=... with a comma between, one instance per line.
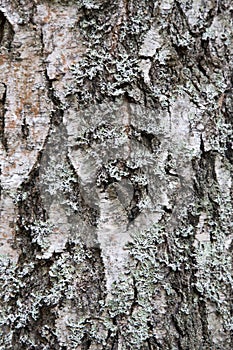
x=116, y=174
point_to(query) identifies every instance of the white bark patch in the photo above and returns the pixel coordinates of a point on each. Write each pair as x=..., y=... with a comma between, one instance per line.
x=199, y=11
x=224, y=179
x=214, y=324
x=113, y=236
x=62, y=45
x=152, y=42
x=145, y=66
x=66, y=315
x=202, y=235
x=7, y=224
x=56, y=241
x=223, y=176
x=166, y=5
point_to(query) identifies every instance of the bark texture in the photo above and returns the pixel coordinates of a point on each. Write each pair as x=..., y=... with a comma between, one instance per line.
x=116, y=174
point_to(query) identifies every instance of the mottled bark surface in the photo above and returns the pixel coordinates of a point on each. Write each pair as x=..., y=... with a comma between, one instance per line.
x=116, y=174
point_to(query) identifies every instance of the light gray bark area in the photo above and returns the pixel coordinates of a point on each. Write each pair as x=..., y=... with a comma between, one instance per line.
x=116, y=175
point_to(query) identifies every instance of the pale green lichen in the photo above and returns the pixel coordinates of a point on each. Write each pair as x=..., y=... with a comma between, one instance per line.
x=39, y=231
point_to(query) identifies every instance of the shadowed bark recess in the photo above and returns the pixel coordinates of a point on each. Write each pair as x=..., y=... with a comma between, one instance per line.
x=116, y=175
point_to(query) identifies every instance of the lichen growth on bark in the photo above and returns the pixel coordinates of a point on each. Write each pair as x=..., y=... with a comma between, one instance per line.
x=116, y=141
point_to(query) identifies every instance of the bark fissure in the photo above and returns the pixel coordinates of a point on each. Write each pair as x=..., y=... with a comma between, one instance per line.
x=3, y=111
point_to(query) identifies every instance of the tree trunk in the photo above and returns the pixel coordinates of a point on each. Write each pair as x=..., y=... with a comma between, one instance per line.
x=116, y=174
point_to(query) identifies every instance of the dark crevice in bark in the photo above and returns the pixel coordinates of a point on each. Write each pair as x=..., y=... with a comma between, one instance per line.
x=58, y=112
x=202, y=69
x=229, y=151
x=106, y=181
x=6, y=33
x=89, y=213
x=2, y=23
x=204, y=323
x=29, y=210
x=149, y=140
x=179, y=330
x=226, y=109
x=169, y=167
x=25, y=129
x=115, y=342
x=202, y=146
x=135, y=296
x=42, y=43
x=2, y=115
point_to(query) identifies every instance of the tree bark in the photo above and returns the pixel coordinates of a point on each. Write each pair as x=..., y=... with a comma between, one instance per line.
x=116, y=174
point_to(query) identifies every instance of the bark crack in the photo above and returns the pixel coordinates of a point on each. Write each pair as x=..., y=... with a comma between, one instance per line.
x=3, y=94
